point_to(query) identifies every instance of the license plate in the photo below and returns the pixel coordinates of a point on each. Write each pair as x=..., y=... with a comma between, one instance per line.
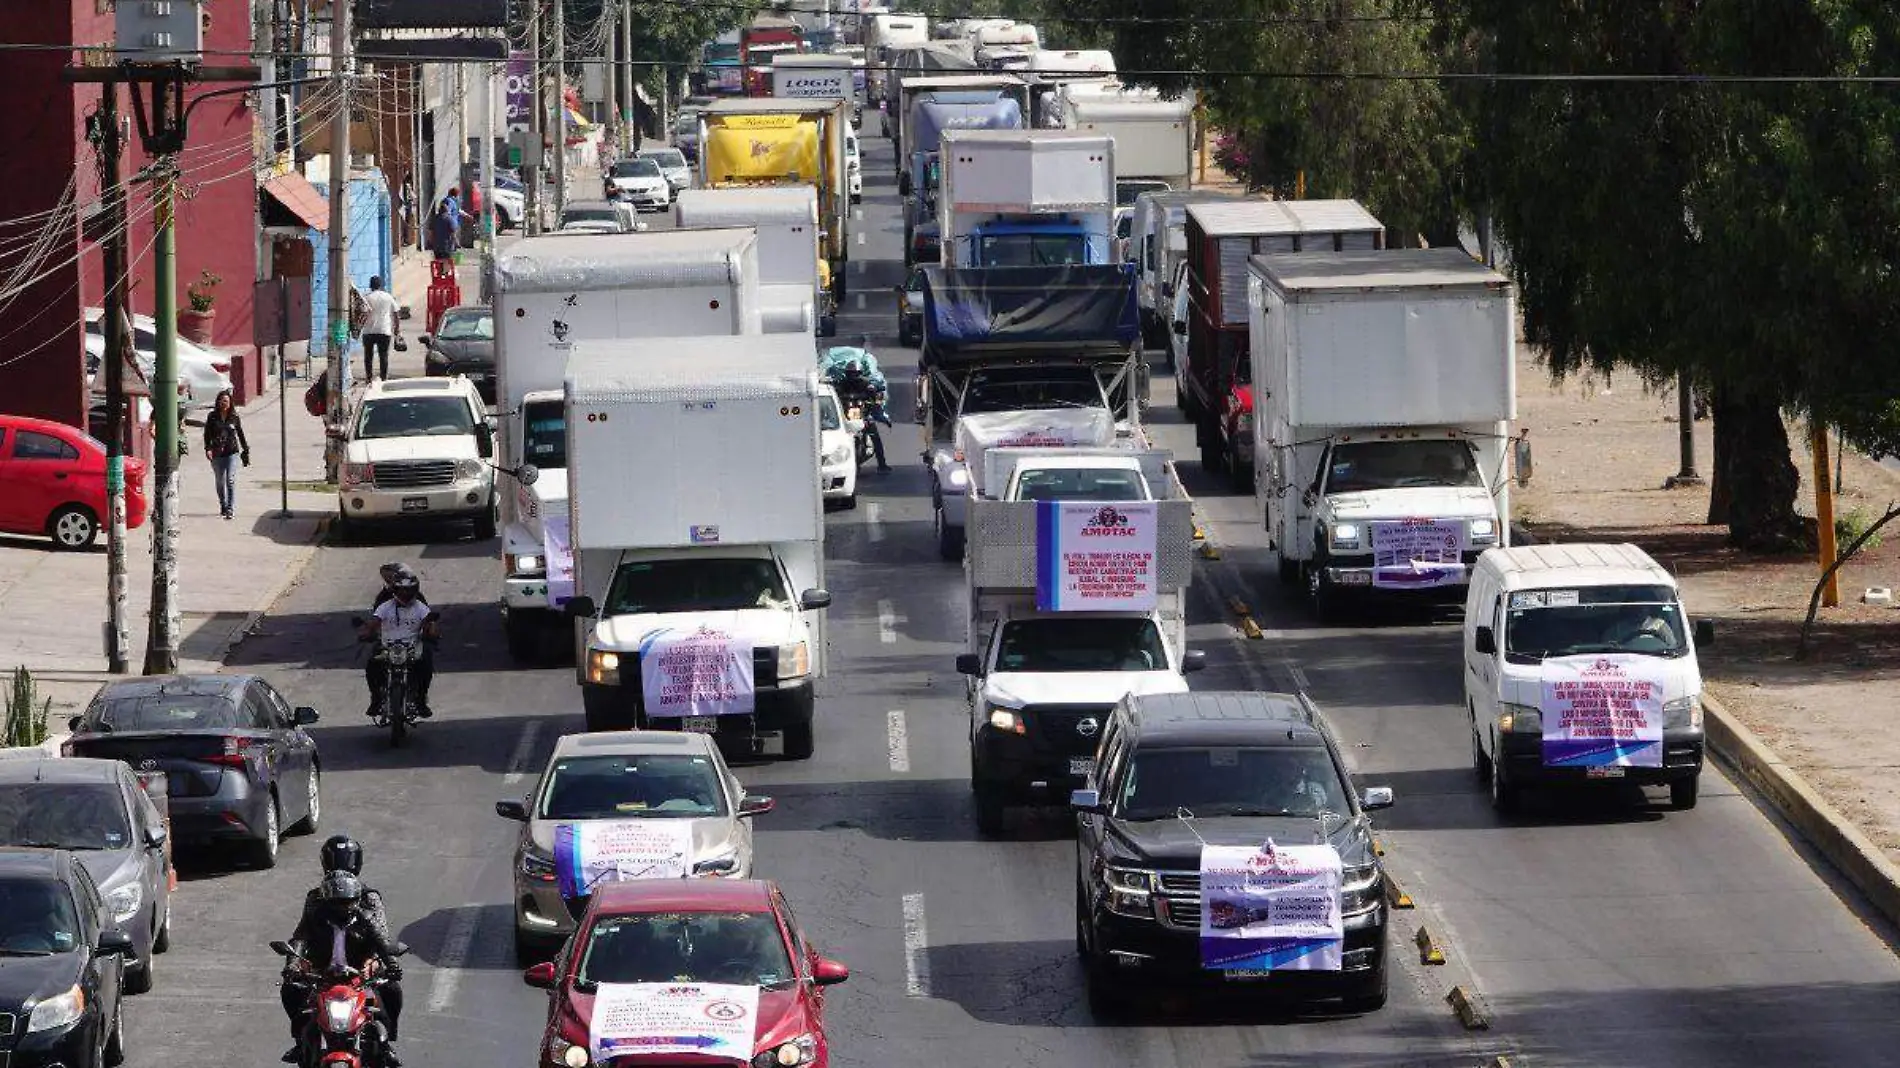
x=415, y=504
x=1081, y=766
x=700, y=724
x=1234, y=976
x=1355, y=578
x=1604, y=771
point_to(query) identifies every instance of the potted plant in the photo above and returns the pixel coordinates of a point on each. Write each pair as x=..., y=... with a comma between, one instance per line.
x=195, y=322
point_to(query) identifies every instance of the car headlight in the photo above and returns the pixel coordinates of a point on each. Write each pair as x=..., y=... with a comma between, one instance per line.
x=1345, y=535
x=1131, y=892
x=468, y=469
x=959, y=478
x=839, y=455
x=794, y=661
x=60, y=1010
x=1484, y=530
x=338, y=1015
x=535, y=866
x=719, y=864
x=124, y=902
x=359, y=474
x=1007, y=720
x=1359, y=890
x=603, y=667
x=567, y=1052
x=1684, y=713
x=800, y=1050
x=1520, y=719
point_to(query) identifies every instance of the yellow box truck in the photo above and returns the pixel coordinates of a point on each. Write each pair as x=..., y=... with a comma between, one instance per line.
x=771, y=141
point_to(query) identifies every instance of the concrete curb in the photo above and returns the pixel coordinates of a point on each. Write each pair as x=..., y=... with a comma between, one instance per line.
x=1819, y=822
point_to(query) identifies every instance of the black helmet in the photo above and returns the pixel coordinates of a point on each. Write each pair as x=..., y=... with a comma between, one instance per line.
x=406, y=583
x=340, y=888
x=343, y=853
x=395, y=572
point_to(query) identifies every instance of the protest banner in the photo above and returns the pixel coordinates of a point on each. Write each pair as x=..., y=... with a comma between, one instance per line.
x=1271, y=908
x=1095, y=557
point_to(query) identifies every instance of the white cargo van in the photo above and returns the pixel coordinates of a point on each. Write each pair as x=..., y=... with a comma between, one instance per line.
x=1580, y=666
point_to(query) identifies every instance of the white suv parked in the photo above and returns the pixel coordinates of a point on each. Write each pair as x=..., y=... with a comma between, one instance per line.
x=418, y=448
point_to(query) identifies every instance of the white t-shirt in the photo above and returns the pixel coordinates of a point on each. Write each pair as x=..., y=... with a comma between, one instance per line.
x=401, y=624
x=382, y=311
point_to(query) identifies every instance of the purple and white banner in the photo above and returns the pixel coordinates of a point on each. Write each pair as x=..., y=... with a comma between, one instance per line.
x=712, y=1020
x=559, y=552
x=1602, y=711
x=1271, y=908
x=609, y=850
x=520, y=88
x=696, y=673
x=1417, y=554
x=1096, y=557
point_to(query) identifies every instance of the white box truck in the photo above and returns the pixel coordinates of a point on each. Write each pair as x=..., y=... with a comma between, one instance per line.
x=1061, y=625
x=551, y=293
x=698, y=538
x=1388, y=382
x=1154, y=136
x=792, y=296
x=1024, y=198
x=817, y=75
x=1158, y=245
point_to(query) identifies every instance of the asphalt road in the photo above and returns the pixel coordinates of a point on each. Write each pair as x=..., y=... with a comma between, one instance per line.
x=1603, y=932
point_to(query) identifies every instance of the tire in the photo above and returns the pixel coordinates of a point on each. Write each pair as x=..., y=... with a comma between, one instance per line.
x=503, y=221
x=1480, y=764
x=846, y=504
x=528, y=952
x=524, y=637
x=313, y=801
x=73, y=528
x=602, y=710
x=1287, y=569
x=263, y=851
x=138, y=980
x=1106, y=1000
x=1213, y=453
x=114, y=1052
x=1239, y=475
x=949, y=538
x=399, y=723
x=799, y=742
x=990, y=809
x=162, y=941
x=1371, y=996
x=1081, y=923
x=1682, y=793
x=344, y=532
x=1319, y=593
x=1505, y=794
x=486, y=523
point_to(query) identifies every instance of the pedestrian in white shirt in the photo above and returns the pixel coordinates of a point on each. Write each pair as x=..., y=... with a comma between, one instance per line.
x=379, y=327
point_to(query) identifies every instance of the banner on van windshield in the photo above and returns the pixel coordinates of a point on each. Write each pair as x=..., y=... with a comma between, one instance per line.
x=1271, y=908
x=1602, y=710
x=1418, y=554
x=1096, y=557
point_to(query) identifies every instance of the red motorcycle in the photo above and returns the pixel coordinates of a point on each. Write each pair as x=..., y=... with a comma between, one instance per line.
x=346, y=1028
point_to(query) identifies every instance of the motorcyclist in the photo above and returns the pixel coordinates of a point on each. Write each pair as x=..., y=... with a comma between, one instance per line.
x=853, y=372
x=390, y=572
x=336, y=929
x=404, y=617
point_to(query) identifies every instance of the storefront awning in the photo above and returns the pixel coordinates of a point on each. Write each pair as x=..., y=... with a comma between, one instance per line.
x=294, y=201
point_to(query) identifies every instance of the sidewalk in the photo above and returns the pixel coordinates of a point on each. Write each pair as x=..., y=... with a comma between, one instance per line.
x=1602, y=451
x=228, y=572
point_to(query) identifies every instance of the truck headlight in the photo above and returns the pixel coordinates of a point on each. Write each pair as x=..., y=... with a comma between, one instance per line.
x=124, y=902
x=466, y=469
x=1130, y=892
x=1485, y=530
x=1007, y=720
x=959, y=478
x=359, y=474
x=794, y=661
x=1359, y=890
x=1520, y=719
x=60, y=1010
x=525, y=564
x=1345, y=535
x=839, y=454
x=1684, y=713
x=603, y=667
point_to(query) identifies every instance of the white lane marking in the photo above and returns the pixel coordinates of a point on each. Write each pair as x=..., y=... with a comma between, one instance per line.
x=455, y=945
x=874, y=516
x=886, y=623
x=858, y=265
x=916, y=962
x=897, y=740
x=524, y=750
x=857, y=214
x=860, y=302
x=860, y=238
x=1299, y=676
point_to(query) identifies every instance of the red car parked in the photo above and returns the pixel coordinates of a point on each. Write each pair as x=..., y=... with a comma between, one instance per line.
x=664, y=936
x=53, y=482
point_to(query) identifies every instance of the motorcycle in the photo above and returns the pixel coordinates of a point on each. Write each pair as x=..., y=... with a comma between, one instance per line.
x=346, y=1027
x=398, y=710
x=859, y=405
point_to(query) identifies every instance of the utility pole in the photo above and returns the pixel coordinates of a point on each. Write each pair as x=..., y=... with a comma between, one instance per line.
x=610, y=86
x=105, y=135
x=336, y=374
x=537, y=122
x=491, y=73
x=1685, y=433
x=1824, y=512
x=161, y=650
x=623, y=71
x=560, y=108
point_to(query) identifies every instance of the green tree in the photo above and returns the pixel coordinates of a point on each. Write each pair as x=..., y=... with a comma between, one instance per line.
x=1743, y=233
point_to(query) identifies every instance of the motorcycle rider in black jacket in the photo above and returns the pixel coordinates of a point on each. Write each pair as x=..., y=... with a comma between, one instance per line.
x=342, y=907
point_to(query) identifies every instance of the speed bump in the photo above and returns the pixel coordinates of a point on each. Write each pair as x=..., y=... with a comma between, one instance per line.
x=1428, y=951
x=1469, y=1005
x=1396, y=896
x=1250, y=628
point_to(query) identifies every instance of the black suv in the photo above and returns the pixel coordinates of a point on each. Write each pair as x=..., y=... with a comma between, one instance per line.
x=62, y=964
x=1176, y=771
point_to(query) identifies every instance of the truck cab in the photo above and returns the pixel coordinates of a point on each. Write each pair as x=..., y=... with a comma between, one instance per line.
x=1031, y=241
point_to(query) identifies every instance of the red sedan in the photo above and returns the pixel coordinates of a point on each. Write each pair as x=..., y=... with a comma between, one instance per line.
x=53, y=482
x=687, y=972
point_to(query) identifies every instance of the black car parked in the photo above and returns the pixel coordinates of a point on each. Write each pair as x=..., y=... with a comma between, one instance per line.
x=464, y=344
x=239, y=767
x=1177, y=771
x=61, y=965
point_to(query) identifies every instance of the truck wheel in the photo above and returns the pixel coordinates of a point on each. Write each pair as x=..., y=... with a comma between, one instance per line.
x=602, y=709
x=1239, y=475
x=989, y=810
x=524, y=637
x=949, y=538
x=1289, y=570
x=799, y=743
x=487, y=522
x=1369, y=995
x=1682, y=793
x=1213, y=453
x=1319, y=593
x=1504, y=792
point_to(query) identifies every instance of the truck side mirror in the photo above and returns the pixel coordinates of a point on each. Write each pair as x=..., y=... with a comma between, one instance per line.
x=812, y=600
x=580, y=608
x=1705, y=632
x=1180, y=328
x=969, y=664
x=1483, y=642
x=484, y=440
x=1193, y=660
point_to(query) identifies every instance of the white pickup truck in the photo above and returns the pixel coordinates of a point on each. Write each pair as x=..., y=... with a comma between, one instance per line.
x=1042, y=677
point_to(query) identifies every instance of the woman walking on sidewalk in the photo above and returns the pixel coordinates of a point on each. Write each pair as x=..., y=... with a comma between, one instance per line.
x=225, y=447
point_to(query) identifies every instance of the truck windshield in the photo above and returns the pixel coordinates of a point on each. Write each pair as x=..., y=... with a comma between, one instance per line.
x=713, y=584
x=1377, y=465
x=1032, y=250
x=1290, y=781
x=1081, y=645
x=402, y=417
x=1028, y=394
x=1081, y=484
x=544, y=435
x=1643, y=620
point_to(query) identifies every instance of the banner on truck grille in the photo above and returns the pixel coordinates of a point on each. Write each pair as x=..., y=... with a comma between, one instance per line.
x=1271, y=908
x=1602, y=710
x=713, y=1020
x=558, y=549
x=1096, y=557
x=1418, y=554
x=702, y=672
x=587, y=854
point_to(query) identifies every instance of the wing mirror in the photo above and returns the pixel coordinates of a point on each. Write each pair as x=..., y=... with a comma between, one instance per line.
x=115, y=942
x=812, y=600
x=303, y=715
x=581, y=608
x=1193, y=660
x=526, y=474
x=1484, y=642
x=541, y=976
x=1376, y=797
x=754, y=805
x=73, y=723
x=970, y=664
x=512, y=810
x=829, y=972
x=1087, y=801
x=1705, y=632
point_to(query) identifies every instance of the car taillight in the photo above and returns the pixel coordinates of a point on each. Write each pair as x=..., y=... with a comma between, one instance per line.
x=237, y=753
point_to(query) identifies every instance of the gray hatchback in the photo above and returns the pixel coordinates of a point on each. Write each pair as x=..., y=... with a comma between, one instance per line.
x=97, y=810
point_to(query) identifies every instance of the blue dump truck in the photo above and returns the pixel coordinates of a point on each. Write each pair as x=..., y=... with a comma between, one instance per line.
x=931, y=116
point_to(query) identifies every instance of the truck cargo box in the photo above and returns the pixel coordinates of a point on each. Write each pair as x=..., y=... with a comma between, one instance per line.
x=975, y=316
x=1222, y=235
x=1023, y=172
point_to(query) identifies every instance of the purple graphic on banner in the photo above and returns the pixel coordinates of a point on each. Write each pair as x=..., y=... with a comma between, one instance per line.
x=520, y=84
